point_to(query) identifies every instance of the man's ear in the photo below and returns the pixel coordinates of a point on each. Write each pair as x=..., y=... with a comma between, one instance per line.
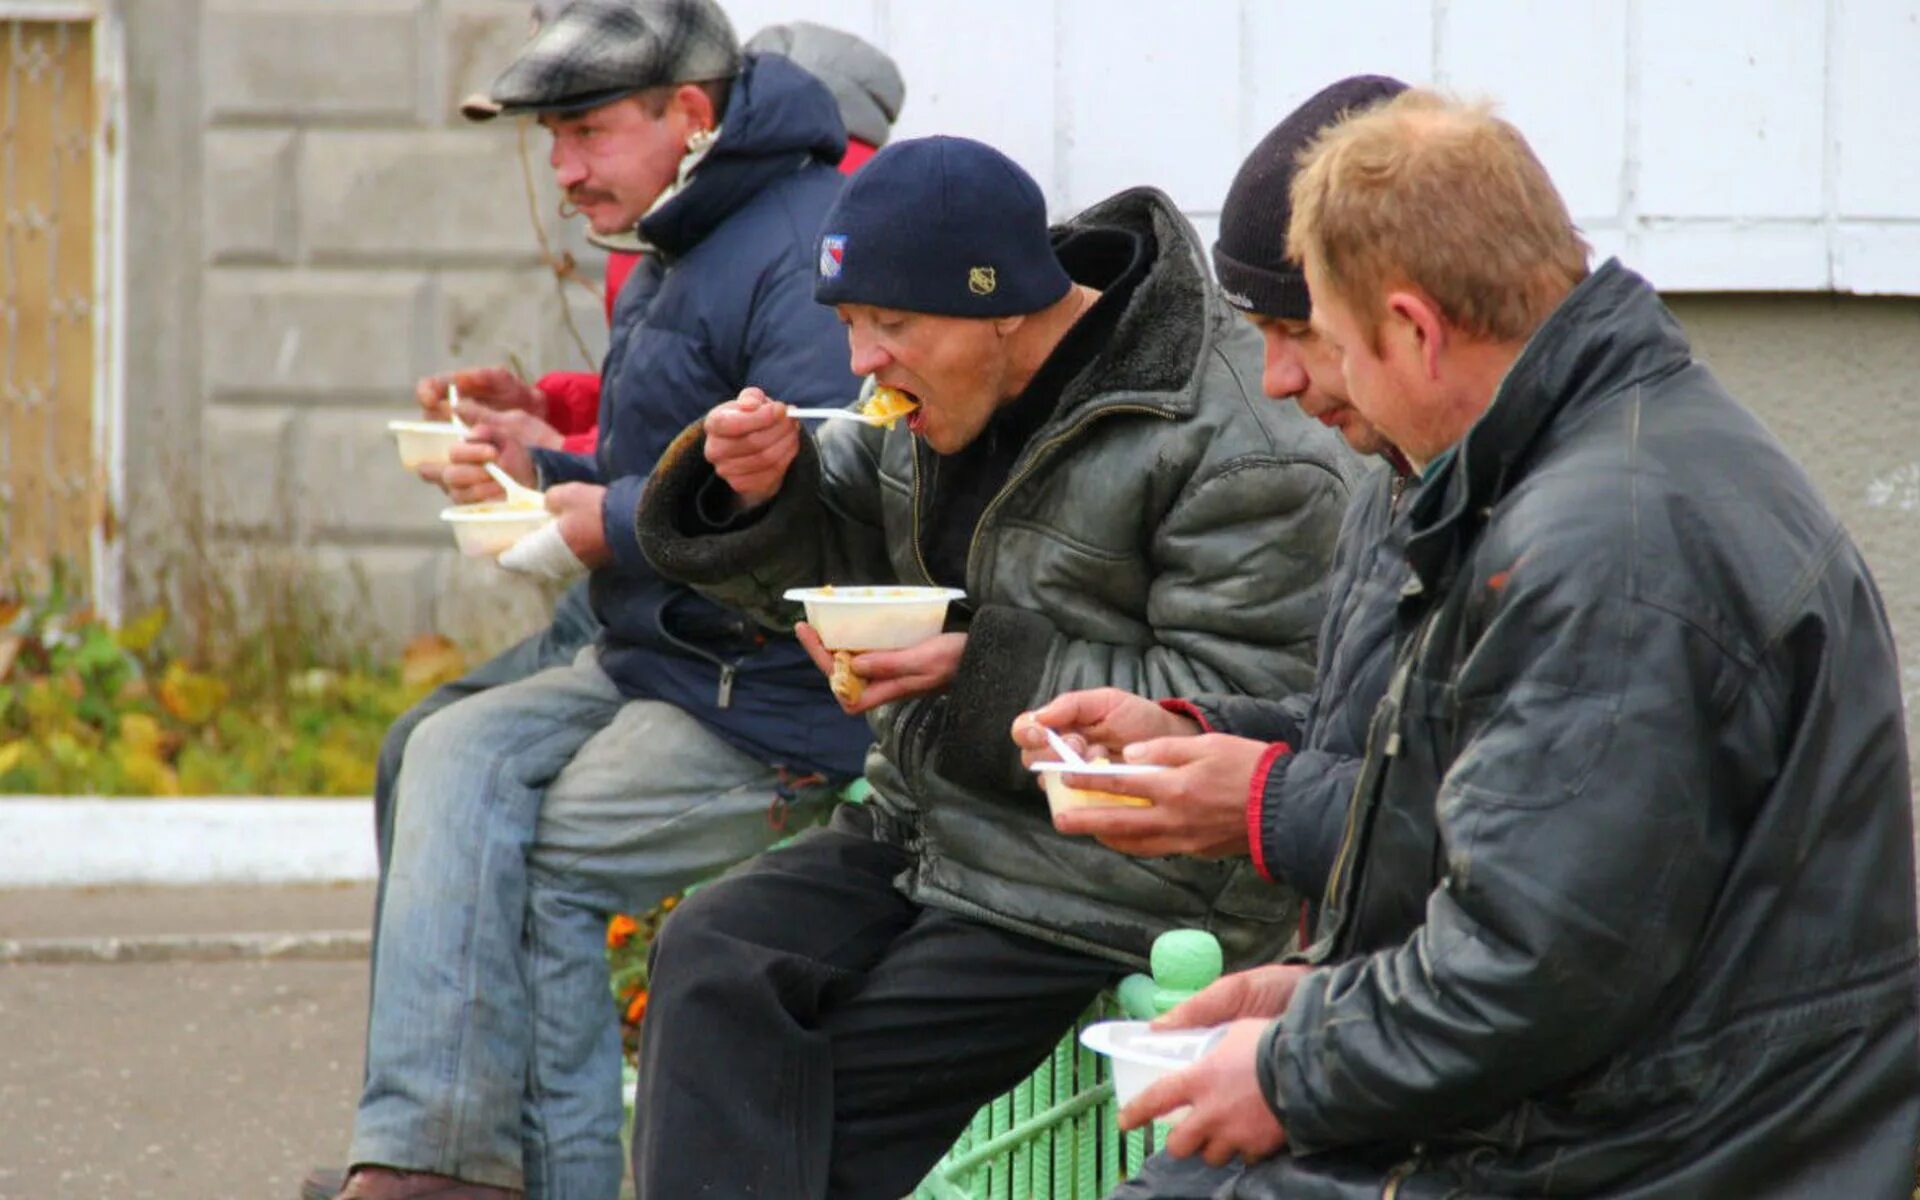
x=1004, y=326
x=1421, y=319
x=693, y=101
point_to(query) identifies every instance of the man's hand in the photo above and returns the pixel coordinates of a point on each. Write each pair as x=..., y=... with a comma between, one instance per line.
x=1227, y=1113
x=1199, y=802
x=1261, y=993
x=751, y=442
x=1107, y=718
x=512, y=425
x=464, y=475
x=893, y=674
x=491, y=387
x=577, y=508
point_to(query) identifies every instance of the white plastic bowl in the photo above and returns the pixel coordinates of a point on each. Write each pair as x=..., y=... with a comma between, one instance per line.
x=1060, y=796
x=423, y=441
x=484, y=530
x=1141, y=1055
x=882, y=617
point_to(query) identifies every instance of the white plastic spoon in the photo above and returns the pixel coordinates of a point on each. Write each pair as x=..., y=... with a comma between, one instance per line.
x=1061, y=748
x=518, y=493
x=835, y=414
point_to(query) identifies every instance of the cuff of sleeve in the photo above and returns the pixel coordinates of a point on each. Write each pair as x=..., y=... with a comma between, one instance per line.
x=1266, y=1066
x=1256, y=806
x=693, y=556
x=553, y=466
x=998, y=679
x=1189, y=710
x=617, y=515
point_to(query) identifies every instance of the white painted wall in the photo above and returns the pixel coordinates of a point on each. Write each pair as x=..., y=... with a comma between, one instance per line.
x=1742, y=145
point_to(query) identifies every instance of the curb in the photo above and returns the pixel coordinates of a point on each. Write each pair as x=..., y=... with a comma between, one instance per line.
x=328, y=945
x=82, y=841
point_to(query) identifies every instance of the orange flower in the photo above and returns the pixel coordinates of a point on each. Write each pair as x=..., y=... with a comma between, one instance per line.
x=620, y=931
x=667, y=904
x=637, y=1007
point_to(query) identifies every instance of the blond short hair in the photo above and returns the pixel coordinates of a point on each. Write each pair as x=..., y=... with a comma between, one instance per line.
x=1443, y=196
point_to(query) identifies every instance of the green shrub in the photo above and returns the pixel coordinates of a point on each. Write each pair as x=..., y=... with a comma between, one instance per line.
x=90, y=709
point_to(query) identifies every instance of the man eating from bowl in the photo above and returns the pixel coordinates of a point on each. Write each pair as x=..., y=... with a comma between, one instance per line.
x=1091, y=462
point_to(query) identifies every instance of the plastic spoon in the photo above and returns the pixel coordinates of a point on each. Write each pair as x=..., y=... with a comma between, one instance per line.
x=1061, y=748
x=835, y=414
x=518, y=494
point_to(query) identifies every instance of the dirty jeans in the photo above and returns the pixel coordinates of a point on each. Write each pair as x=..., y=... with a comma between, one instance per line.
x=525, y=817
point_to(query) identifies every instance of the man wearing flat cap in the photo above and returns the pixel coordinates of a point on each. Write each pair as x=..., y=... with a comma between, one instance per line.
x=493, y=1059
x=1091, y=463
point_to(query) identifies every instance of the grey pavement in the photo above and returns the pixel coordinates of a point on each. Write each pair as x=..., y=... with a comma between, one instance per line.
x=178, y=1079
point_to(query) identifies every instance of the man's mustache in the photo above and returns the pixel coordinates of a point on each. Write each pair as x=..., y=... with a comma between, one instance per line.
x=581, y=197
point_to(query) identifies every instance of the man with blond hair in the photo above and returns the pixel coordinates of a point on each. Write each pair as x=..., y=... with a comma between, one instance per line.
x=1626, y=907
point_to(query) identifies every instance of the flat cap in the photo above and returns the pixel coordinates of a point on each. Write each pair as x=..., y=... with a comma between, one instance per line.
x=596, y=51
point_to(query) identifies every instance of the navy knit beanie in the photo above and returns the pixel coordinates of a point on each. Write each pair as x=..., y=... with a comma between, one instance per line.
x=940, y=225
x=1250, y=258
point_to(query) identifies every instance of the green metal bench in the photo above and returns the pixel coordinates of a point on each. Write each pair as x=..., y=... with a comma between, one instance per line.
x=1055, y=1136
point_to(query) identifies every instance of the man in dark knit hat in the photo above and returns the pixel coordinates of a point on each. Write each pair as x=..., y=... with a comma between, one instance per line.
x=1090, y=464
x=1268, y=777
x=493, y=1054
x=1629, y=905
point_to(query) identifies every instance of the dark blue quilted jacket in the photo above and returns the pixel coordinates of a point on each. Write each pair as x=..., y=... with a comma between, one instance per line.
x=725, y=303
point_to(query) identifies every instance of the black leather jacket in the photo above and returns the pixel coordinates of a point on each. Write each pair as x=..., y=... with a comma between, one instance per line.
x=1626, y=904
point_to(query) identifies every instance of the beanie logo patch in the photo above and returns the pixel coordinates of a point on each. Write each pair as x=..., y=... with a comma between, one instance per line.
x=981, y=281
x=833, y=250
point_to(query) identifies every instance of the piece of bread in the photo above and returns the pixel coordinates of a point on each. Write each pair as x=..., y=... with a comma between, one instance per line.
x=847, y=687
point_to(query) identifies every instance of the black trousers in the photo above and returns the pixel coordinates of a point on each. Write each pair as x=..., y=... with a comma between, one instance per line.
x=811, y=1033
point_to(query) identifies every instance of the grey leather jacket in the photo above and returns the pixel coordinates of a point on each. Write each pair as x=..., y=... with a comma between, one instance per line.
x=1167, y=531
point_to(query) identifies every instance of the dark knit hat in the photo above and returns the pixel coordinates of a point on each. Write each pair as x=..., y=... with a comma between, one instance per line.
x=1250, y=258
x=940, y=225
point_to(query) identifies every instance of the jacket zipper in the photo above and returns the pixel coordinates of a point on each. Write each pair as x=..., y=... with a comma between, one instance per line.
x=1396, y=1177
x=1373, y=771
x=1032, y=464
x=926, y=573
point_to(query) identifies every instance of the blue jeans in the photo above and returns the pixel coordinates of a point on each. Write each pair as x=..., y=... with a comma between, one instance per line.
x=525, y=817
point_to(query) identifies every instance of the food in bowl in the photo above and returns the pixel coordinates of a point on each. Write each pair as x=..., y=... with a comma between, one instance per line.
x=484, y=530
x=423, y=442
x=1061, y=797
x=887, y=405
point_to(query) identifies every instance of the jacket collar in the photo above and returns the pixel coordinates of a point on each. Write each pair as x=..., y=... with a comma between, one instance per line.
x=1154, y=356
x=778, y=120
x=1611, y=331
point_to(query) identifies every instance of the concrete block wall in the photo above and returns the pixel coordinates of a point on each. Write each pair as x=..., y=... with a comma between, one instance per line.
x=314, y=226
x=357, y=233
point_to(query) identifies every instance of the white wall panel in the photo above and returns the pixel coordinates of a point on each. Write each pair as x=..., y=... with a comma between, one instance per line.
x=1731, y=108
x=1878, y=259
x=1735, y=258
x=1295, y=48
x=1567, y=92
x=862, y=17
x=1876, y=76
x=1150, y=93
x=986, y=71
x=1714, y=144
